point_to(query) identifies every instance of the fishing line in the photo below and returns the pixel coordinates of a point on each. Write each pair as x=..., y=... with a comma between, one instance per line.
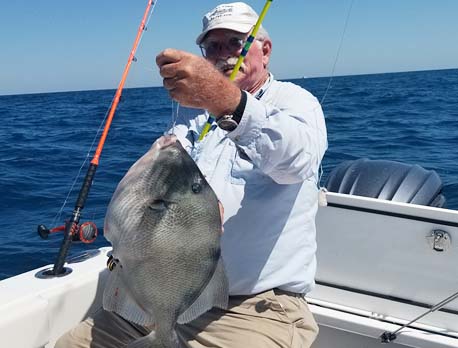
x=145, y=28
x=338, y=51
x=322, y=190
x=72, y=227
x=91, y=147
x=173, y=119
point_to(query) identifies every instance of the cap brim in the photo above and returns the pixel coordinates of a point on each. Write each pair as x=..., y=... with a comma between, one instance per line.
x=240, y=28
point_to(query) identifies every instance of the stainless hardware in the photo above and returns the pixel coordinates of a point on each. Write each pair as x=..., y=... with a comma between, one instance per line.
x=439, y=240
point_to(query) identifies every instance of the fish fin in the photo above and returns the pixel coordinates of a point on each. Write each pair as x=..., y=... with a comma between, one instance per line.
x=116, y=298
x=215, y=294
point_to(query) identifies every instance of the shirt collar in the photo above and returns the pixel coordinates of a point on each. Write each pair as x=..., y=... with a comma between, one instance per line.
x=258, y=95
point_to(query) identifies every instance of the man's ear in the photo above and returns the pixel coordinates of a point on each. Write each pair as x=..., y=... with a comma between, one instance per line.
x=266, y=51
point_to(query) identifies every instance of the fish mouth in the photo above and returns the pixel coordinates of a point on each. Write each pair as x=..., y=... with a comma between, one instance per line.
x=164, y=141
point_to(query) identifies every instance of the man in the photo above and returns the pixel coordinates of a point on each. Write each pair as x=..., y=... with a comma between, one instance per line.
x=262, y=158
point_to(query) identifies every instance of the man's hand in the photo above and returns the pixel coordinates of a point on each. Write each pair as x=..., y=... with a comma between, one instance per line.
x=194, y=82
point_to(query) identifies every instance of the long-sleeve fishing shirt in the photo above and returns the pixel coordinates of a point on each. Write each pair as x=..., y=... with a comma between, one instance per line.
x=265, y=174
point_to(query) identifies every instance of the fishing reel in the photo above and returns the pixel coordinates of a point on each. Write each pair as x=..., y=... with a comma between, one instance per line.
x=85, y=232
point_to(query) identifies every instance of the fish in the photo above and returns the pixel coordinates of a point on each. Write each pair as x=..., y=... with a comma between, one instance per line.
x=164, y=223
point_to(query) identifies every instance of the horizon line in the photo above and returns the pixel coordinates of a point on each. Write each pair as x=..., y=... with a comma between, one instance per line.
x=282, y=79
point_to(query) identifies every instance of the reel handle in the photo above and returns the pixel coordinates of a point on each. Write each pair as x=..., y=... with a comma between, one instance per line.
x=87, y=232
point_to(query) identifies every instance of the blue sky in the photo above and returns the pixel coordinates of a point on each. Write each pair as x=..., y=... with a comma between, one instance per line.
x=59, y=45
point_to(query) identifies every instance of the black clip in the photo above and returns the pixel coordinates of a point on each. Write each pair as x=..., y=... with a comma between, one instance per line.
x=112, y=263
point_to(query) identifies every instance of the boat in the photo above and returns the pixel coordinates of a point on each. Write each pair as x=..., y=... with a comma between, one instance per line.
x=384, y=262
x=381, y=264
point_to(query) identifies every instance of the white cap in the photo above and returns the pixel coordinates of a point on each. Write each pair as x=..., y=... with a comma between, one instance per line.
x=236, y=16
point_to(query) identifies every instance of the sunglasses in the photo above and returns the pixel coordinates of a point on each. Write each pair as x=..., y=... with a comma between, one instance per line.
x=211, y=48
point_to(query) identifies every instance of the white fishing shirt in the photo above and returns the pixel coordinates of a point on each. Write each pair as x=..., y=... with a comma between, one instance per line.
x=265, y=174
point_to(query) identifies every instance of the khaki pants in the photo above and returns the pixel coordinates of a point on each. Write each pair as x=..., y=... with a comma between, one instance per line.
x=271, y=319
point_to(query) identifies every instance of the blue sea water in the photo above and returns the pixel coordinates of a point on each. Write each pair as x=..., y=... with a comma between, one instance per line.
x=44, y=139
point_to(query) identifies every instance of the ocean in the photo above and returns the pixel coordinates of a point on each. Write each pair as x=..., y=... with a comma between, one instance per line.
x=45, y=140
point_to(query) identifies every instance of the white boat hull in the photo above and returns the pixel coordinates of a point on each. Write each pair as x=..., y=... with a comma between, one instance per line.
x=34, y=312
x=376, y=271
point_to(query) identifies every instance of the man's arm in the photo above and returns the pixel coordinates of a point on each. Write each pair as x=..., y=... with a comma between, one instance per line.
x=194, y=82
x=286, y=142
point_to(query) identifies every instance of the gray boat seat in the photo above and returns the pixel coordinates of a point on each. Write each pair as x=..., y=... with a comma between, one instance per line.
x=389, y=180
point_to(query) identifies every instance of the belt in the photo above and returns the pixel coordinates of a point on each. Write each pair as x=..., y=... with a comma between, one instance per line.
x=278, y=291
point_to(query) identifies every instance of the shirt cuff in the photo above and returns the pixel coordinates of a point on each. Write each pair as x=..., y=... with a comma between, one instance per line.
x=253, y=119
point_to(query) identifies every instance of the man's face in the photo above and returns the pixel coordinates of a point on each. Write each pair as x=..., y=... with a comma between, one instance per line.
x=222, y=47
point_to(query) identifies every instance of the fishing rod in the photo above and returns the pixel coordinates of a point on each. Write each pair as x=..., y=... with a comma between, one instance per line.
x=87, y=231
x=388, y=336
x=242, y=56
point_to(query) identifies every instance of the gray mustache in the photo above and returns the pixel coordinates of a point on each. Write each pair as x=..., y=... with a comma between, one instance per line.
x=229, y=63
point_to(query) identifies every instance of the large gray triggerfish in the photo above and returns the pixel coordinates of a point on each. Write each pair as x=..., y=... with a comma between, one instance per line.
x=165, y=226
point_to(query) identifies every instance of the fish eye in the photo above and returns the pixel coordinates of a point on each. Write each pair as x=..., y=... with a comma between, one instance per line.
x=158, y=204
x=196, y=187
